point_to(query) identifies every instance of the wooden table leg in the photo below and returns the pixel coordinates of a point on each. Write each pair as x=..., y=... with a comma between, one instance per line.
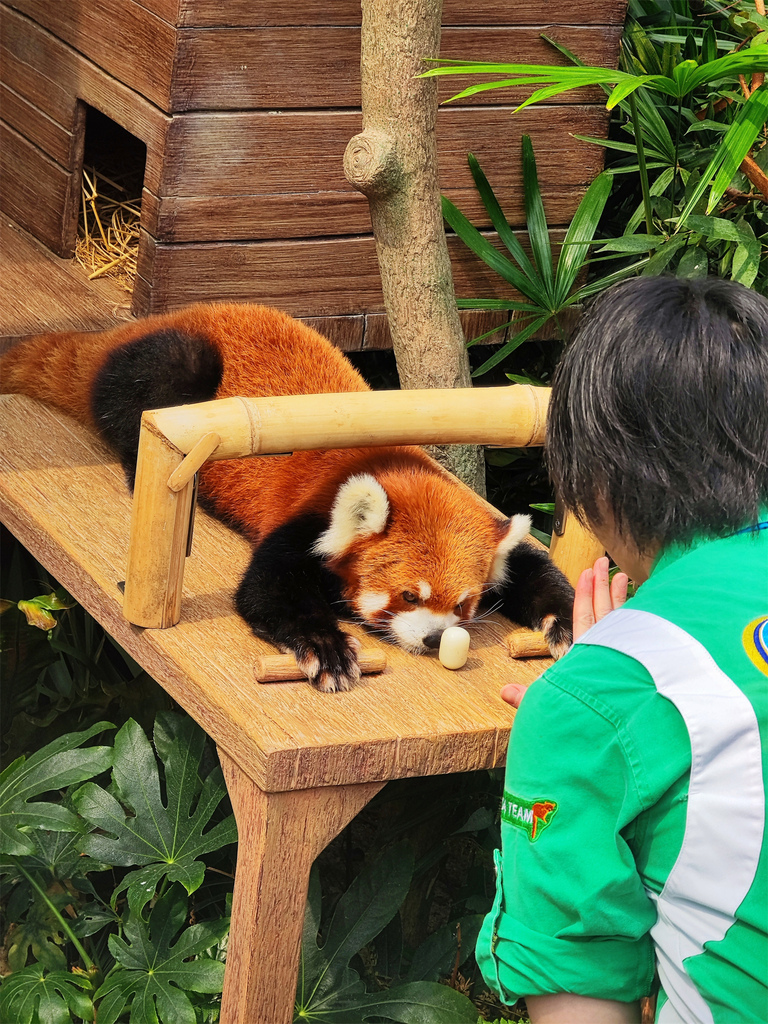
x=280, y=834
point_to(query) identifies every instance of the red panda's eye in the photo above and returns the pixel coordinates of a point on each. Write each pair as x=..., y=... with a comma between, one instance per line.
x=409, y=597
x=457, y=610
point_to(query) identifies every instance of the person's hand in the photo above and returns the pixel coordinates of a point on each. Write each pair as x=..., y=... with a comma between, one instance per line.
x=596, y=595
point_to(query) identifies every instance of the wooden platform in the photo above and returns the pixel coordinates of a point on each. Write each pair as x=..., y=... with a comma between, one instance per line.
x=40, y=292
x=299, y=764
x=415, y=719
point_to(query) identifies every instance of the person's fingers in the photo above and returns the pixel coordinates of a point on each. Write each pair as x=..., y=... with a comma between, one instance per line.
x=583, y=609
x=513, y=693
x=601, y=589
x=619, y=589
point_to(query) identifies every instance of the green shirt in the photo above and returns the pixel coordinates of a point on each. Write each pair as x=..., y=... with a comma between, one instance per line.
x=596, y=801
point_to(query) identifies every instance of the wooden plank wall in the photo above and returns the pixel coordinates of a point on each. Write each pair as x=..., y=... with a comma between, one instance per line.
x=246, y=117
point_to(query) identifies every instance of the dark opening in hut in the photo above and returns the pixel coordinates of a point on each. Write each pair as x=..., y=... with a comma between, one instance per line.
x=110, y=210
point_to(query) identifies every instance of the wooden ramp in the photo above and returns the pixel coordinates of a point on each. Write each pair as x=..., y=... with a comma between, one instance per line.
x=299, y=764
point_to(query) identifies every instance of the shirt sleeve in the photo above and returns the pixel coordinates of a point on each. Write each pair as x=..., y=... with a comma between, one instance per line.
x=571, y=913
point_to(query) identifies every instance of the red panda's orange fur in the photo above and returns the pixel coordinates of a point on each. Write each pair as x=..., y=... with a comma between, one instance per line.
x=263, y=493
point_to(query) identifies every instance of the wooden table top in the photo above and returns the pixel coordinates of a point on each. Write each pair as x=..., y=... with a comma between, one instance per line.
x=63, y=495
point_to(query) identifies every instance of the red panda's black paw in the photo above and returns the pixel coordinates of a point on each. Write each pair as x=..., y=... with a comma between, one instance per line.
x=330, y=662
x=558, y=634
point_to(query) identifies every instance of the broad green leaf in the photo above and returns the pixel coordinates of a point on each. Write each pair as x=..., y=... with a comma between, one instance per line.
x=664, y=256
x=417, y=1002
x=720, y=227
x=632, y=243
x=39, y=933
x=694, y=263
x=366, y=907
x=436, y=957
x=746, y=263
x=166, y=839
x=154, y=973
x=36, y=996
x=56, y=856
x=54, y=766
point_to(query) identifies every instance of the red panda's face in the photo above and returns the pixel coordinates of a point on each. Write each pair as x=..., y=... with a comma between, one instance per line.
x=417, y=557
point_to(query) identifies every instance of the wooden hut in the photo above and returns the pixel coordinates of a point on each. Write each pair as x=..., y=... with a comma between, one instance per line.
x=245, y=110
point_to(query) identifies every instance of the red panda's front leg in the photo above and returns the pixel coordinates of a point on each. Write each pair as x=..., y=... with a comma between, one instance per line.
x=288, y=597
x=536, y=594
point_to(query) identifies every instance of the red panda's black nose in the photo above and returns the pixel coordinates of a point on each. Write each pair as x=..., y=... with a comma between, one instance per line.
x=433, y=640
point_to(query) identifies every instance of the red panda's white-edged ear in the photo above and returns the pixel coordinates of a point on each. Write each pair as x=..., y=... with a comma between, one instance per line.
x=519, y=528
x=360, y=509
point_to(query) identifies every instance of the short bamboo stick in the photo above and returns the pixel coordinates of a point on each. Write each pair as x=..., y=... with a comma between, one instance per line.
x=201, y=452
x=281, y=668
x=527, y=643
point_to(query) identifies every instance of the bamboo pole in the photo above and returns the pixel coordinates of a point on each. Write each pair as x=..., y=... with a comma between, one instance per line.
x=512, y=416
x=575, y=550
x=158, y=539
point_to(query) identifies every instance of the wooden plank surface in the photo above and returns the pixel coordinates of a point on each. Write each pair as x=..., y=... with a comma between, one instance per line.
x=37, y=127
x=311, y=277
x=252, y=153
x=51, y=76
x=347, y=12
x=37, y=193
x=66, y=501
x=40, y=292
x=316, y=67
x=128, y=41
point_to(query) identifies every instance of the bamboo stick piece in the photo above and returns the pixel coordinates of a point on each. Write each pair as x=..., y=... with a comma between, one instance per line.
x=527, y=643
x=512, y=416
x=201, y=452
x=281, y=668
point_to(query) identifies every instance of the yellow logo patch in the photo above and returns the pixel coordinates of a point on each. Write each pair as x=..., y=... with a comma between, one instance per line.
x=755, y=641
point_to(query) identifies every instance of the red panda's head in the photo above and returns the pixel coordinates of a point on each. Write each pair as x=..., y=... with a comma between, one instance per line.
x=415, y=552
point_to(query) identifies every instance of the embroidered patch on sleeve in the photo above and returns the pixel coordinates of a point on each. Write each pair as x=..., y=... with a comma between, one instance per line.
x=532, y=816
x=755, y=641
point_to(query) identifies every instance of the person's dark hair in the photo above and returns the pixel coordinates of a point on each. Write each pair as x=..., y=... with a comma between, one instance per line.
x=659, y=410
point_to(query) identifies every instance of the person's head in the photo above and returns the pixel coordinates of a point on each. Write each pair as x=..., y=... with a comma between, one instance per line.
x=658, y=423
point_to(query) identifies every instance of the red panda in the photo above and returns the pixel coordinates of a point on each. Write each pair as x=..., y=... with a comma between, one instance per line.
x=382, y=532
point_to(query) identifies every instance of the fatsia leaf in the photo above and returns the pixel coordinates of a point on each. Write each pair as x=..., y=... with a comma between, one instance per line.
x=39, y=933
x=165, y=839
x=54, y=766
x=365, y=908
x=416, y=1002
x=36, y=996
x=436, y=956
x=154, y=973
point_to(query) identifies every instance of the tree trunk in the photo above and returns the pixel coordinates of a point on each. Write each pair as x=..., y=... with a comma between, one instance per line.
x=394, y=163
